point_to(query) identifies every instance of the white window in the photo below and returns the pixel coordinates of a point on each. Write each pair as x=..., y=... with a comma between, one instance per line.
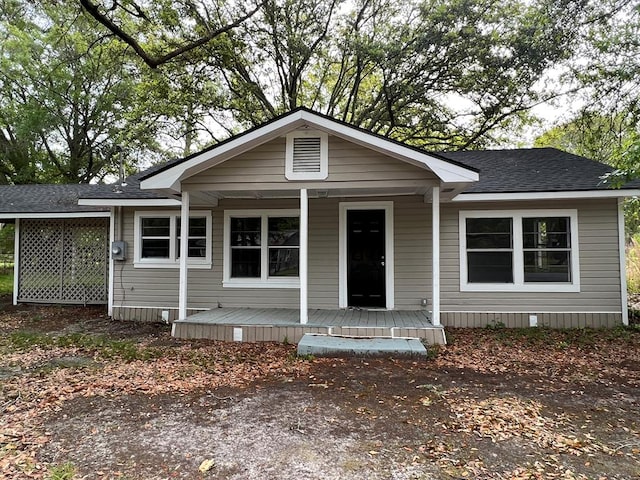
x=307, y=156
x=519, y=250
x=157, y=239
x=261, y=248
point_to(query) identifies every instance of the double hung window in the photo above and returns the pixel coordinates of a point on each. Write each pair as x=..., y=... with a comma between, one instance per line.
x=262, y=248
x=519, y=251
x=157, y=239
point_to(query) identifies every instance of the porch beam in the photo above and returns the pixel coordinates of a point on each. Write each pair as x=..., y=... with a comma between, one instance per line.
x=304, y=242
x=184, y=254
x=435, y=249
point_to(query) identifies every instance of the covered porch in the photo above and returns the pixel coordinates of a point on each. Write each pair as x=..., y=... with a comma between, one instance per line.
x=330, y=223
x=283, y=324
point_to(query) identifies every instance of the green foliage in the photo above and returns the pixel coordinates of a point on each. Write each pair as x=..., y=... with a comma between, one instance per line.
x=441, y=74
x=398, y=68
x=6, y=283
x=433, y=351
x=66, y=97
x=65, y=471
x=633, y=264
x=610, y=138
x=7, y=238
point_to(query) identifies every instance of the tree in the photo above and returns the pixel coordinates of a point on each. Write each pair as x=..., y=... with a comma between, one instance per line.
x=600, y=136
x=396, y=68
x=67, y=97
x=177, y=17
x=611, y=139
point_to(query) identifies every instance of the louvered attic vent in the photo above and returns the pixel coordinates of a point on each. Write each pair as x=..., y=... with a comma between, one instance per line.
x=306, y=156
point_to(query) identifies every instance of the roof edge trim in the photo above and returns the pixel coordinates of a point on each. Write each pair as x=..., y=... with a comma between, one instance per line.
x=100, y=214
x=545, y=195
x=129, y=202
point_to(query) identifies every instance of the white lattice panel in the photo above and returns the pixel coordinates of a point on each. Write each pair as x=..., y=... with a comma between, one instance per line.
x=63, y=261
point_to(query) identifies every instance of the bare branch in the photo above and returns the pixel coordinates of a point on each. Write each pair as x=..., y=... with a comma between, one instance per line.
x=155, y=62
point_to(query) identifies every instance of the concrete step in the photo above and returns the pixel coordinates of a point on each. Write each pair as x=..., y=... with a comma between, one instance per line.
x=333, y=346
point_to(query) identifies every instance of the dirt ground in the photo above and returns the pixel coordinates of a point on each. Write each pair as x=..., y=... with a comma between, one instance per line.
x=119, y=400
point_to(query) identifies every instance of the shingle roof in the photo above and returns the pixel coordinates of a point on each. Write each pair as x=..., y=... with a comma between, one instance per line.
x=47, y=198
x=533, y=170
x=129, y=190
x=501, y=171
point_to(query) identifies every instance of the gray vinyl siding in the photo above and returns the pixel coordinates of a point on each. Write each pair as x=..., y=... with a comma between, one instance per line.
x=597, y=304
x=348, y=163
x=413, y=251
x=158, y=287
x=599, y=263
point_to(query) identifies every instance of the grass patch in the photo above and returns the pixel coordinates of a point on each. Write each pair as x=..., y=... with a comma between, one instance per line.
x=6, y=282
x=105, y=347
x=66, y=471
x=633, y=264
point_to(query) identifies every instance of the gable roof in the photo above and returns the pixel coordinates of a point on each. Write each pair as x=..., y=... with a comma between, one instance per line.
x=168, y=178
x=18, y=201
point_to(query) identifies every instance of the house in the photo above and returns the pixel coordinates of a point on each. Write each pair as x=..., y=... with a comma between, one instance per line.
x=308, y=224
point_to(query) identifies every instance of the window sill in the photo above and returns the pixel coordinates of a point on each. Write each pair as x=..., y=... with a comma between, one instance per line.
x=524, y=288
x=261, y=283
x=156, y=264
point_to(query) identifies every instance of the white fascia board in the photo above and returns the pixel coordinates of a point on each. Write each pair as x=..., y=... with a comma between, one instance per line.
x=171, y=177
x=446, y=171
x=490, y=197
x=130, y=202
x=12, y=216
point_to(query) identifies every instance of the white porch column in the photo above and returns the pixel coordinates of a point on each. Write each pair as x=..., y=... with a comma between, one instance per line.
x=112, y=237
x=435, y=250
x=16, y=261
x=303, y=271
x=184, y=254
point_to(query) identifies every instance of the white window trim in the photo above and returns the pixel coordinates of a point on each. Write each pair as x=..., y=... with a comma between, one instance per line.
x=518, y=284
x=173, y=261
x=324, y=156
x=344, y=207
x=264, y=281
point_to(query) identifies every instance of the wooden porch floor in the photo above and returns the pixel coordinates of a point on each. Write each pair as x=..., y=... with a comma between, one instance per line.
x=361, y=318
x=283, y=324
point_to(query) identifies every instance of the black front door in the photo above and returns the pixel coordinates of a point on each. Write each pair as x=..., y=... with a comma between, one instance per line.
x=365, y=258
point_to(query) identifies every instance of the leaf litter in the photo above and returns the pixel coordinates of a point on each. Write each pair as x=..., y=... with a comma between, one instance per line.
x=493, y=404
